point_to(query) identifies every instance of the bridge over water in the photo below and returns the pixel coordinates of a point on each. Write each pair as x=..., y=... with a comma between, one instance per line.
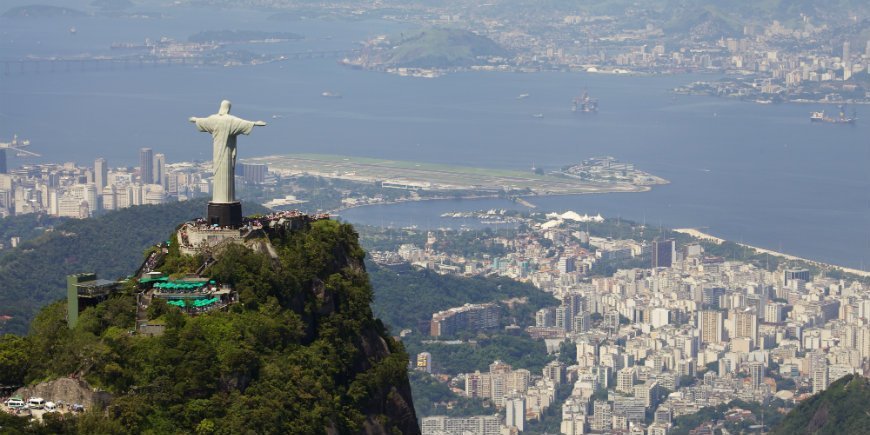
x=80, y=64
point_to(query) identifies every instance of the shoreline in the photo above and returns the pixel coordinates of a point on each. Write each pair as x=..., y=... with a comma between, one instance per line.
x=687, y=231
x=522, y=200
x=718, y=240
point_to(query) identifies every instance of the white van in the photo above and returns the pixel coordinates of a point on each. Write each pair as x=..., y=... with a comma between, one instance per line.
x=36, y=403
x=15, y=403
x=50, y=407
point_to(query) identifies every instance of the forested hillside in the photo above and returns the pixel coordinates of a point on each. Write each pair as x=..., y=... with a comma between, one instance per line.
x=843, y=408
x=300, y=353
x=112, y=245
x=406, y=297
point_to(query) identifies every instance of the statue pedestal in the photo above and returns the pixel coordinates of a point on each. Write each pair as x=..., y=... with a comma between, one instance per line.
x=225, y=214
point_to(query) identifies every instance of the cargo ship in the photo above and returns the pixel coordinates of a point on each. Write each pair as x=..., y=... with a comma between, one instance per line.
x=840, y=119
x=585, y=104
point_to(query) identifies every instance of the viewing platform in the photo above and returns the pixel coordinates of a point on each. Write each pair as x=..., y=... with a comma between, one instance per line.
x=198, y=236
x=85, y=290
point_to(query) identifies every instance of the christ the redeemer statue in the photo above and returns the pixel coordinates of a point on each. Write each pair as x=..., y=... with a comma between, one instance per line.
x=223, y=209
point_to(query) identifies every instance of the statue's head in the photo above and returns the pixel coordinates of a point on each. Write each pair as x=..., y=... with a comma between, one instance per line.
x=225, y=107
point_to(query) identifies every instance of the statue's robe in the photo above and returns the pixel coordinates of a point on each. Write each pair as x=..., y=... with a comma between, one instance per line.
x=224, y=129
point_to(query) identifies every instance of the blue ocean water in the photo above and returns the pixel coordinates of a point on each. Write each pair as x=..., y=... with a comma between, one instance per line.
x=761, y=174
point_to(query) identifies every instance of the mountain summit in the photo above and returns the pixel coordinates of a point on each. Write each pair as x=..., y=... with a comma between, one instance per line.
x=288, y=343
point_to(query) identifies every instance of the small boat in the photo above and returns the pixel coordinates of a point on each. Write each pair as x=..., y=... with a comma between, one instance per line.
x=537, y=115
x=840, y=119
x=330, y=94
x=584, y=104
x=523, y=96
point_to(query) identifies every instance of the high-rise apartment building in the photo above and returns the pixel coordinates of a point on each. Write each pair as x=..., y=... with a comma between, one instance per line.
x=101, y=173
x=625, y=380
x=515, y=409
x=581, y=323
x=796, y=274
x=545, y=317
x=146, y=166
x=469, y=317
x=253, y=172
x=110, y=198
x=744, y=324
x=424, y=362
x=663, y=253
x=477, y=425
x=710, y=326
x=602, y=416
x=563, y=318
x=820, y=377
x=478, y=384
x=555, y=371
x=159, y=176
x=711, y=296
x=756, y=373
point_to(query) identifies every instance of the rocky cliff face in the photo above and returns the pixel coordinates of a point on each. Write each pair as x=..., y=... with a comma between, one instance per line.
x=390, y=407
x=66, y=390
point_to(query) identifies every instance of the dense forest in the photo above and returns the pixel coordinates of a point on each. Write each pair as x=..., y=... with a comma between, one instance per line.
x=300, y=353
x=27, y=226
x=406, y=297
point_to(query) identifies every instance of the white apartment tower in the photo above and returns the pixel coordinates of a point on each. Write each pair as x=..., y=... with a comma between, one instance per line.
x=515, y=407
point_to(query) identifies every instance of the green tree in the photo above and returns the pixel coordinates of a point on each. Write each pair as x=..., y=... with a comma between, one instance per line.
x=14, y=352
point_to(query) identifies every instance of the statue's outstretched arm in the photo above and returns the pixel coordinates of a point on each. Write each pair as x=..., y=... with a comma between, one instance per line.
x=260, y=123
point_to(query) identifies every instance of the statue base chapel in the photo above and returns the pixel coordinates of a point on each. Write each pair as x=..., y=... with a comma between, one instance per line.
x=225, y=214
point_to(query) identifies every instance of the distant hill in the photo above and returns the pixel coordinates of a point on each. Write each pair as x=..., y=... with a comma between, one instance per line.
x=766, y=10
x=42, y=11
x=684, y=13
x=112, y=5
x=441, y=48
x=708, y=22
x=34, y=274
x=843, y=408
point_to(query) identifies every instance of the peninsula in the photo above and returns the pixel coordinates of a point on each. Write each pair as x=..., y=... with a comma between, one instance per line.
x=447, y=178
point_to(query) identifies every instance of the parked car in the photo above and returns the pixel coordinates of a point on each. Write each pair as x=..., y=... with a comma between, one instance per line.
x=36, y=403
x=15, y=403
